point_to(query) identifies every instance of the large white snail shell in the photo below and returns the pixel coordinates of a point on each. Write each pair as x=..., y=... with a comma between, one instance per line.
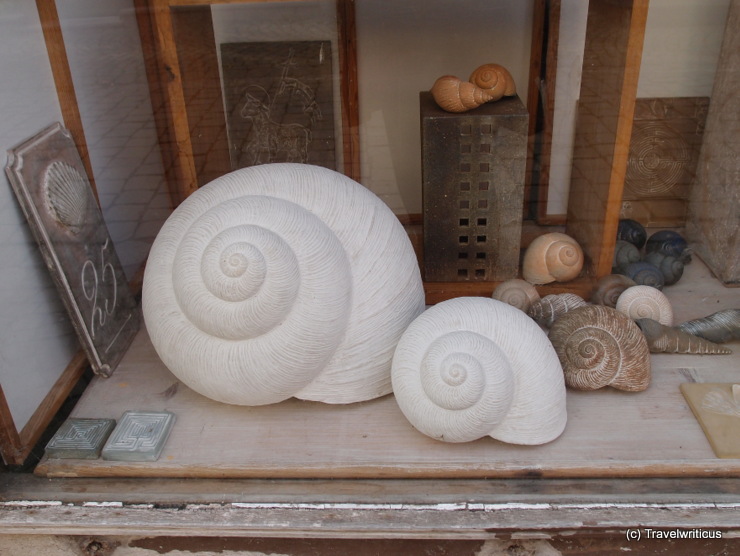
x=281, y=280
x=552, y=257
x=473, y=366
x=646, y=302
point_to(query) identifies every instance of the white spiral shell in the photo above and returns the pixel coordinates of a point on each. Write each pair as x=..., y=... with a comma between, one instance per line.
x=473, y=366
x=281, y=280
x=552, y=257
x=517, y=293
x=646, y=302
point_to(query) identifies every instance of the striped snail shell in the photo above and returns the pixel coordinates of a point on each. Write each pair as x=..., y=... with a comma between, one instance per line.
x=281, y=280
x=625, y=253
x=454, y=95
x=547, y=310
x=631, y=231
x=599, y=346
x=517, y=293
x=552, y=257
x=645, y=274
x=669, y=242
x=608, y=289
x=665, y=339
x=471, y=367
x=669, y=266
x=641, y=302
x=495, y=80
x=720, y=327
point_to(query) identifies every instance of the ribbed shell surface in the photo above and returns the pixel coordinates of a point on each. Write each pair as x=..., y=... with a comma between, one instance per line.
x=471, y=366
x=281, y=280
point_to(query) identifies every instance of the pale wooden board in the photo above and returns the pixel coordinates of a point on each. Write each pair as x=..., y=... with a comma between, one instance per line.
x=719, y=415
x=609, y=433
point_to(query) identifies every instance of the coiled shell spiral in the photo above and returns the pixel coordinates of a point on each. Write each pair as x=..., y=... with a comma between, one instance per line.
x=665, y=339
x=547, y=310
x=281, y=280
x=670, y=266
x=609, y=288
x=552, y=257
x=455, y=95
x=645, y=274
x=599, y=346
x=625, y=253
x=495, y=80
x=645, y=302
x=722, y=326
x=632, y=231
x=472, y=366
x=517, y=293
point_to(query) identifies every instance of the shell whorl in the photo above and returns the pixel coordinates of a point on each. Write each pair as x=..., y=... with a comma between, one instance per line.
x=646, y=302
x=552, y=257
x=517, y=293
x=257, y=288
x=471, y=366
x=599, y=346
x=632, y=231
x=722, y=326
x=670, y=266
x=548, y=309
x=495, y=80
x=645, y=274
x=454, y=95
x=625, y=253
x=609, y=288
x=665, y=339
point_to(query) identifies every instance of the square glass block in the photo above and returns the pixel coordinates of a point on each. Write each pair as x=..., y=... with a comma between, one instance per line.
x=80, y=438
x=139, y=436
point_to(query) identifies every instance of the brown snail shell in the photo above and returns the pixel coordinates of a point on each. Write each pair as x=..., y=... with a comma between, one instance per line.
x=495, y=80
x=517, y=293
x=609, y=288
x=454, y=95
x=640, y=302
x=552, y=257
x=665, y=339
x=547, y=310
x=599, y=346
x=722, y=326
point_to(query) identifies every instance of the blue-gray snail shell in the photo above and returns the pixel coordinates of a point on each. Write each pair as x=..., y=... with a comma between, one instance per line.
x=722, y=326
x=645, y=274
x=670, y=266
x=632, y=231
x=669, y=242
x=625, y=253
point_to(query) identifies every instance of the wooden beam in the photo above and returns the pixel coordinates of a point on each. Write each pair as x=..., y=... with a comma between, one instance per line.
x=611, y=68
x=347, y=39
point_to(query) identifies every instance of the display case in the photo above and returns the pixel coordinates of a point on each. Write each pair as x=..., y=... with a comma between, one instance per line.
x=162, y=97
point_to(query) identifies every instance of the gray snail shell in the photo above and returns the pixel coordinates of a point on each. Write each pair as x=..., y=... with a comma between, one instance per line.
x=632, y=231
x=517, y=293
x=599, y=346
x=625, y=253
x=645, y=274
x=670, y=266
x=609, y=288
x=720, y=327
x=670, y=243
x=665, y=339
x=547, y=310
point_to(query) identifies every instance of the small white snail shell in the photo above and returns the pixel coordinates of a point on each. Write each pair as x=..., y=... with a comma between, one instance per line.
x=517, y=293
x=472, y=366
x=281, y=280
x=552, y=257
x=646, y=302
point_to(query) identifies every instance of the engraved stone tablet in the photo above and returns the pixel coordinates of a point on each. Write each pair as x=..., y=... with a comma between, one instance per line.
x=80, y=438
x=53, y=190
x=139, y=436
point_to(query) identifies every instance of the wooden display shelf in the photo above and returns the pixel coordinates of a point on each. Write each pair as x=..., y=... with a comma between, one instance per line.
x=610, y=434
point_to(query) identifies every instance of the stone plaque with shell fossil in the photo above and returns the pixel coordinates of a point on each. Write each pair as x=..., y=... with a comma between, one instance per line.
x=56, y=197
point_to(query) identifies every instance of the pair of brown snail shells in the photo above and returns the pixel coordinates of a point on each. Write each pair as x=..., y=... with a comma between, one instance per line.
x=488, y=83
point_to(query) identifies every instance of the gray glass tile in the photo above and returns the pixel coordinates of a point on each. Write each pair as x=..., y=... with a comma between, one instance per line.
x=139, y=436
x=80, y=438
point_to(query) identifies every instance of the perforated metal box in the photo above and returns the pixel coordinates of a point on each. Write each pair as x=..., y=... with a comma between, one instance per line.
x=473, y=170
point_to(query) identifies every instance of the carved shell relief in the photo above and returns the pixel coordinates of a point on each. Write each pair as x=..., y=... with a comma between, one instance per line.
x=471, y=367
x=281, y=280
x=67, y=195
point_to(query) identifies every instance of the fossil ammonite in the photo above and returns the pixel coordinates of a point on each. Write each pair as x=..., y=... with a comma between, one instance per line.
x=278, y=281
